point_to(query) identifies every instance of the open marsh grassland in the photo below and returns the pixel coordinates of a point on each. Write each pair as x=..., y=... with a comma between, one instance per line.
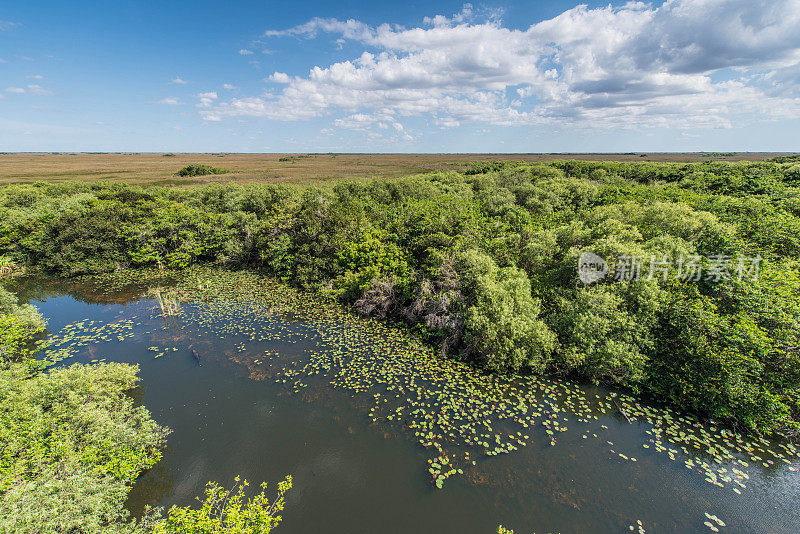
x=317, y=169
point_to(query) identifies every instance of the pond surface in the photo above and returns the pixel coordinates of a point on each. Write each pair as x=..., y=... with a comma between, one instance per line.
x=270, y=397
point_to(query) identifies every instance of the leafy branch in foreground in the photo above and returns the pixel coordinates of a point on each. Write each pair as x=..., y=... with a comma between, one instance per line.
x=71, y=445
x=228, y=511
x=19, y=325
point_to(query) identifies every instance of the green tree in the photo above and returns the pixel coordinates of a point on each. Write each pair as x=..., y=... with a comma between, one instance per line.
x=502, y=324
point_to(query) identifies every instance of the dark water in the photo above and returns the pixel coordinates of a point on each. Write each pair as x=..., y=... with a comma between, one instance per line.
x=354, y=475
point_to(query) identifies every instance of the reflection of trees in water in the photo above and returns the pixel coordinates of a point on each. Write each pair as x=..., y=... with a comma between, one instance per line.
x=155, y=484
x=137, y=394
x=84, y=289
x=151, y=488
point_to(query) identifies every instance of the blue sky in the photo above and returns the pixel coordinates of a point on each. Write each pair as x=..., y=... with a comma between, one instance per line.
x=547, y=76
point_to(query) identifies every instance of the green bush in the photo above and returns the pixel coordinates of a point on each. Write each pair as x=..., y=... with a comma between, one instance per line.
x=71, y=499
x=72, y=414
x=227, y=512
x=72, y=445
x=19, y=324
x=200, y=170
x=502, y=322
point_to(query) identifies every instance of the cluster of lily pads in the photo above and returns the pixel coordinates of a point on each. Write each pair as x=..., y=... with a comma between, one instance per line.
x=71, y=339
x=717, y=522
x=440, y=469
x=161, y=351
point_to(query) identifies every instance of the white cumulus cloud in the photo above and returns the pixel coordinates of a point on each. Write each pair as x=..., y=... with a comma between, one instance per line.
x=680, y=63
x=32, y=89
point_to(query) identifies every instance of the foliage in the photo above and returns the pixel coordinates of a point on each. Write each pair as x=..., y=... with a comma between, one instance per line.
x=7, y=267
x=786, y=159
x=292, y=158
x=69, y=499
x=19, y=324
x=73, y=443
x=75, y=414
x=200, y=170
x=483, y=264
x=227, y=512
x=502, y=320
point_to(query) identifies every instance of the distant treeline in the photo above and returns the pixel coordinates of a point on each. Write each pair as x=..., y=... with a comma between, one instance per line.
x=484, y=264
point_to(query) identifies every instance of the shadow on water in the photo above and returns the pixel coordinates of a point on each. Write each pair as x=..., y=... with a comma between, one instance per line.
x=236, y=413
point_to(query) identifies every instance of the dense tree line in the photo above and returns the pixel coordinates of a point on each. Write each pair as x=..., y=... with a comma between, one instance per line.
x=484, y=264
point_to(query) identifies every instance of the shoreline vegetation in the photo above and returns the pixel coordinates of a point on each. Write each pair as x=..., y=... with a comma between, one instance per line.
x=482, y=265
x=72, y=444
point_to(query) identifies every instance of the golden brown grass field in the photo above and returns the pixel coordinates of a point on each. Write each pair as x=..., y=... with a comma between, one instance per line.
x=302, y=169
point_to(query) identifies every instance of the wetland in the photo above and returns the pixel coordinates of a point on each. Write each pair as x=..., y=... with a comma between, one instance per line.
x=381, y=434
x=422, y=353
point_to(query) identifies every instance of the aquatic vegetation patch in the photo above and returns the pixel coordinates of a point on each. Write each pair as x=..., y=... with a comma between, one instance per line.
x=717, y=522
x=74, y=337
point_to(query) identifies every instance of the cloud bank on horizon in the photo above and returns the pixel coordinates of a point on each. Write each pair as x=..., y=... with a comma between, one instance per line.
x=678, y=64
